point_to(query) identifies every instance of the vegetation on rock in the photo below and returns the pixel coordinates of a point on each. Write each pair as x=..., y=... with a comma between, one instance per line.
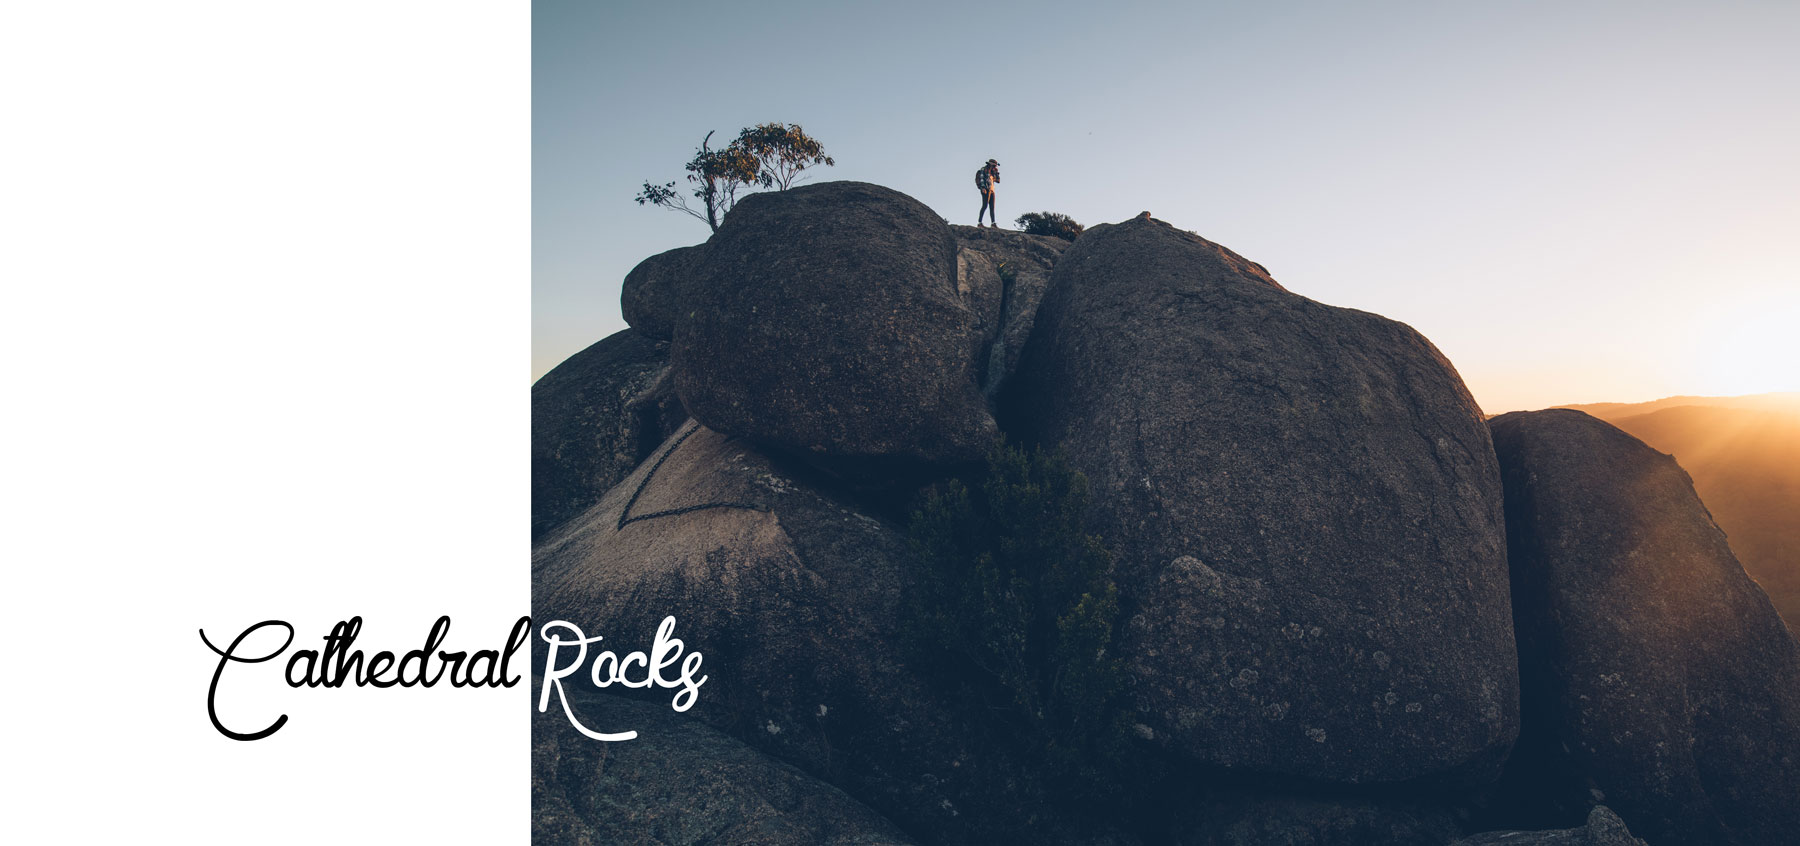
x=769, y=155
x=1049, y=223
x=782, y=151
x=1018, y=605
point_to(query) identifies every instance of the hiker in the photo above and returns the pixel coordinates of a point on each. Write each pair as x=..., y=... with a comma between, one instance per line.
x=984, y=182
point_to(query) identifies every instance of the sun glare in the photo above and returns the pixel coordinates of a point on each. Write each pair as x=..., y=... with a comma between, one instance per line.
x=1754, y=347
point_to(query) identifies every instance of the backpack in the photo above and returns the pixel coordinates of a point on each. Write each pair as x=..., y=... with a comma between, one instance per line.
x=981, y=178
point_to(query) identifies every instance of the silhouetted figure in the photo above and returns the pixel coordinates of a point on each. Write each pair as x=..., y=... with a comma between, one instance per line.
x=985, y=179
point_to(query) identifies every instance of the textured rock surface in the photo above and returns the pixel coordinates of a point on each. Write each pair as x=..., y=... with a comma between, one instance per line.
x=978, y=283
x=1656, y=675
x=1233, y=818
x=1306, y=510
x=679, y=783
x=796, y=600
x=1604, y=828
x=826, y=319
x=651, y=296
x=1027, y=260
x=593, y=418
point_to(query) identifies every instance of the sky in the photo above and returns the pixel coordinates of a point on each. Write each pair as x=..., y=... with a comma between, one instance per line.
x=1575, y=202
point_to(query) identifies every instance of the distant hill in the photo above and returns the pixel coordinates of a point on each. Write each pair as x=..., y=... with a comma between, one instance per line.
x=1613, y=412
x=1744, y=456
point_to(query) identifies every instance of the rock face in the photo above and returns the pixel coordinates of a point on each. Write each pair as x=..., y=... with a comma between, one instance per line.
x=1238, y=818
x=797, y=601
x=1604, y=828
x=1311, y=550
x=826, y=319
x=679, y=783
x=1022, y=264
x=1305, y=506
x=1656, y=674
x=651, y=296
x=593, y=418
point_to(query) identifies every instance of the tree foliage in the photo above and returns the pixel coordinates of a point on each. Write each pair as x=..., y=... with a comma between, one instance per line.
x=782, y=151
x=768, y=155
x=1018, y=604
x=1050, y=223
x=717, y=177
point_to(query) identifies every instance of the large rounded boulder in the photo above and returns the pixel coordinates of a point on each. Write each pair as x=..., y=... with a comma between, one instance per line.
x=1656, y=675
x=651, y=298
x=1305, y=507
x=827, y=320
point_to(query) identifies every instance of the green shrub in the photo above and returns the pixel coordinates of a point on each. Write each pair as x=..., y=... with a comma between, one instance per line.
x=1018, y=606
x=1049, y=223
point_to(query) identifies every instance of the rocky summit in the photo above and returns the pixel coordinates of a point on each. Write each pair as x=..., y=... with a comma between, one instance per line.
x=1342, y=608
x=827, y=320
x=1305, y=504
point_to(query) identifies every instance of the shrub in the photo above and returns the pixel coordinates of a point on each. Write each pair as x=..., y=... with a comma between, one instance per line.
x=1018, y=606
x=1049, y=223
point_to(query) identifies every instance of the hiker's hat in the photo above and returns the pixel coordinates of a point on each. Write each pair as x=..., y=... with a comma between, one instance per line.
x=991, y=161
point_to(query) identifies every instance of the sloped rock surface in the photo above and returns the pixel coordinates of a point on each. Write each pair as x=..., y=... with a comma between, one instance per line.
x=593, y=418
x=1604, y=828
x=826, y=319
x=1305, y=505
x=1656, y=674
x=679, y=783
x=796, y=599
x=1238, y=818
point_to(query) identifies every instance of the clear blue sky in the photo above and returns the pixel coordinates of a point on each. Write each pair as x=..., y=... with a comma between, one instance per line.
x=1575, y=201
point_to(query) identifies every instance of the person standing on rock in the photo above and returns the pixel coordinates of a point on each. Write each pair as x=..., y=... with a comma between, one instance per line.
x=985, y=179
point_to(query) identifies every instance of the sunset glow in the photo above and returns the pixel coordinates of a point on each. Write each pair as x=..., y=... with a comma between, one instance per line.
x=1575, y=203
x=1752, y=345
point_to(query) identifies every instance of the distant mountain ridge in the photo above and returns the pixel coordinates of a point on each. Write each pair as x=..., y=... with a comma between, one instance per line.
x=1743, y=454
x=1788, y=401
